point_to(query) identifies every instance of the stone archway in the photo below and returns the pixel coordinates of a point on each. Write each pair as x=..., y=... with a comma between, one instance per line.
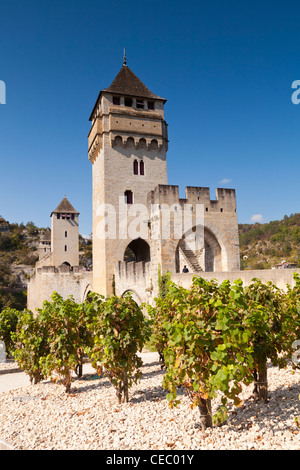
x=201, y=253
x=137, y=250
x=134, y=296
x=88, y=290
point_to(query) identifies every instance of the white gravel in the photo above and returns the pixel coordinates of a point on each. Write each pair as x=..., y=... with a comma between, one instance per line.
x=43, y=416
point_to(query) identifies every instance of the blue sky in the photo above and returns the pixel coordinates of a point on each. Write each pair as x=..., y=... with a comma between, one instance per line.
x=225, y=67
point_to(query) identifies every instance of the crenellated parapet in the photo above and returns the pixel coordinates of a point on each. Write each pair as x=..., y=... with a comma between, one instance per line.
x=169, y=194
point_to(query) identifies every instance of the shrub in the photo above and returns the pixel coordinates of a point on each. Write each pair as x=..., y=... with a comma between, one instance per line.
x=66, y=338
x=120, y=332
x=8, y=324
x=30, y=345
x=207, y=349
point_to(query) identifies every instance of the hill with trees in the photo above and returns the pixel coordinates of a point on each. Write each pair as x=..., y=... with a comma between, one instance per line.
x=264, y=245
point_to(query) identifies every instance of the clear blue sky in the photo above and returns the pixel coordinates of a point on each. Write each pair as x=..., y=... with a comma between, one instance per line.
x=225, y=67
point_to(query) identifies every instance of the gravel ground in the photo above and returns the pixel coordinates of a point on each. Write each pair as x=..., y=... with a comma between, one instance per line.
x=43, y=416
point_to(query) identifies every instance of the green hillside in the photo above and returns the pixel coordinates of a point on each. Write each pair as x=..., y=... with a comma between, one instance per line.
x=264, y=245
x=18, y=245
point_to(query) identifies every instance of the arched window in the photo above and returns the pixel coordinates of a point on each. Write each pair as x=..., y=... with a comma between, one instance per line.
x=128, y=197
x=142, y=168
x=135, y=167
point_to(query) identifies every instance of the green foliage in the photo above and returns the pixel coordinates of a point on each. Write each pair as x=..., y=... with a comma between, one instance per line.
x=8, y=324
x=207, y=349
x=120, y=330
x=268, y=244
x=67, y=336
x=30, y=345
x=217, y=337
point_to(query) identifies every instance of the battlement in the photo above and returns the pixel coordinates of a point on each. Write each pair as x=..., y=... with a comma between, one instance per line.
x=60, y=269
x=169, y=194
x=132, y=270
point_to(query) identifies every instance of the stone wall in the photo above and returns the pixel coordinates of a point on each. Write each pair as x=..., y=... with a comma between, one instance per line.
x=112, y=176
x=280, y=277
x=212, y=225
x=64, y=280
x=137, y=278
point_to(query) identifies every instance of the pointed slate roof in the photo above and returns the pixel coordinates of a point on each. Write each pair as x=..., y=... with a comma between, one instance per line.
x=65, y=207
x=46, y=237
x=127, y=83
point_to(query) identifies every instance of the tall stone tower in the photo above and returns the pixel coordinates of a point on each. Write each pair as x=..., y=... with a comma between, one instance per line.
x=64, y=235
x=127, y=145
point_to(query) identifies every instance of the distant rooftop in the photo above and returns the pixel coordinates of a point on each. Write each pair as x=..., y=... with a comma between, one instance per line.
x=65, y=207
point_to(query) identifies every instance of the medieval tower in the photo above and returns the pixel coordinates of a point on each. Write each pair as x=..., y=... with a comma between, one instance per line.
x=127, y=146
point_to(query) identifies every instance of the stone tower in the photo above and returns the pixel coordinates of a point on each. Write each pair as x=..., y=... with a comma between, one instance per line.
x=127, y=146
x=64, y=235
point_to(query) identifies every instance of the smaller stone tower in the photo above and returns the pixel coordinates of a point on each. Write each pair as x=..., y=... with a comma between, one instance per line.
x=44, y=247
x=64, y=235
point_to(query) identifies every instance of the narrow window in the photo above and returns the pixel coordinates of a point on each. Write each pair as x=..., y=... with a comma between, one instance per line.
x=58, y=216
x=221, y=210
x=72, y=217
x=135, y=167
x=140, y=104
x=128, y=197
x=142, y=168
x=66, y=234
x=66, y=248
x=116, y=100
x=150, y=104
x=128, y=102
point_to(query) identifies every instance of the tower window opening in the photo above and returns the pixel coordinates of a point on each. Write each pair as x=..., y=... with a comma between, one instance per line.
x=128, y=197
x=66, y=234
x=66, y=248
x=150, y=104
x=58, y=216
x=140, y=104
x=142, y=168
x=221, y=210
x=116, y=100
x=128, y=102
x=135, y=167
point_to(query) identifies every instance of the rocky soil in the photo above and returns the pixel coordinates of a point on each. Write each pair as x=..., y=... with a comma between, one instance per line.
x=43, y=416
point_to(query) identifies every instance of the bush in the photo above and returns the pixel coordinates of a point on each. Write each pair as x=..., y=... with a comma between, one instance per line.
x=67, y=337
x=207, y=349
x=8, y=324
x=216, y=337
x=120, y=331
x=30, y=342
